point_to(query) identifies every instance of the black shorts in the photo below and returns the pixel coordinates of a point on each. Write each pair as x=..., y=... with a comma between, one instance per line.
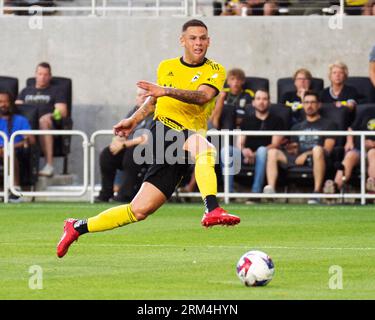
x=168, y=168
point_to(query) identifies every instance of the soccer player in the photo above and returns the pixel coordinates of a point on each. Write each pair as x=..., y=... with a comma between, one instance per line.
x=182, y=101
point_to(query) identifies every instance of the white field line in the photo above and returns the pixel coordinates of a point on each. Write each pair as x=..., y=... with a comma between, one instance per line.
x=194, y=247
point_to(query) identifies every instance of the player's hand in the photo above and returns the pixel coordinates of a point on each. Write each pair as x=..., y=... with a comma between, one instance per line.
x=151, y=89
x=116, y=145
x=338, y=104
x=248, y=156
x=125, y=127
x=223, y=95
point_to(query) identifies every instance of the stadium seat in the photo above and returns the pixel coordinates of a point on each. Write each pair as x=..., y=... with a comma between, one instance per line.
x=364, y=87
x=340, y=116
x=61, y=147
x=10, y=84
x=255, y=83
x=285, y=85
x=31, y=113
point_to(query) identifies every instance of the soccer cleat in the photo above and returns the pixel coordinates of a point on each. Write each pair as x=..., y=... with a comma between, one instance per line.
x=219, y=216
x=70, y=235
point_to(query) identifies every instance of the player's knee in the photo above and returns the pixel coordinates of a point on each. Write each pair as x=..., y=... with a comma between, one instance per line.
x=45, y=123
x=318, y=151
x=141, y=211
x=272, y=153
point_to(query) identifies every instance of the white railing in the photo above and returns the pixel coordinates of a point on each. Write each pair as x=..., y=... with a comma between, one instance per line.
x=94, y=7
x=89, y=164
x=92, y=159
x=85, y=145
x=227, y=195
x=5, y=192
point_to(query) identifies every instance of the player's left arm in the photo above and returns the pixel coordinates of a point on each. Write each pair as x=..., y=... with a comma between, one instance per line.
x=199, y=97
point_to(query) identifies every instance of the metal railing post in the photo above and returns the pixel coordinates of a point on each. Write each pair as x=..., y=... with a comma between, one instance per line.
x=226, y=167
x=93, y=8
x=5, y=166
x=85, y=145
x=157, y=4
x=194, y=8
x=363, y=170
x=92, y=159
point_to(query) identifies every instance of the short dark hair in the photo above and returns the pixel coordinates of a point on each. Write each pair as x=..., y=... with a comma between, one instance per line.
x=193, y=23
x=45, y=65
x=312, y=93
x=263, y=90
x=10, y=97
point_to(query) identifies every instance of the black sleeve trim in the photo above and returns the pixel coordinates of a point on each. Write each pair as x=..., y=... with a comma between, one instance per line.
x=210, y=85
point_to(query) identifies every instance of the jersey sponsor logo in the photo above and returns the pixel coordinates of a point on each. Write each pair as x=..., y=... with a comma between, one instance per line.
x=170, y=74
x=196, y=77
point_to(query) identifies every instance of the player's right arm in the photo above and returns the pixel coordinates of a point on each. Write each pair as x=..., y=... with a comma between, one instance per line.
x=126, y=126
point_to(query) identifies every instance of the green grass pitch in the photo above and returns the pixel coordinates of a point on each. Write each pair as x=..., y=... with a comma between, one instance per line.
x=170, y=256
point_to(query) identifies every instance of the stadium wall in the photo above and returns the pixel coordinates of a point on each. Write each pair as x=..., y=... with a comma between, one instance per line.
x=106, y=56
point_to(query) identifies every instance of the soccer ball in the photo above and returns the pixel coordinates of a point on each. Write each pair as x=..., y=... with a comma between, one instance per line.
x=255, y=268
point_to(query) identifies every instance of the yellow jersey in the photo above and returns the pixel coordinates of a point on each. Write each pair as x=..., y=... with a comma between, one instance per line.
x=175, y=73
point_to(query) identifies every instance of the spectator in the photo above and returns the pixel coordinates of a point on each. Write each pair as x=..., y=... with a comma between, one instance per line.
x=270, y=8
x=232, y=8
x=304, y=150
x=352, y=156
x=369, y=8
x=338, y=92
x=52, y=107
x=119, y=156
x=355, y=7
x=293, y=99
x=253, y=150
x=9, y=123
x=255, y=7
x=233, y=103
x=372, y=66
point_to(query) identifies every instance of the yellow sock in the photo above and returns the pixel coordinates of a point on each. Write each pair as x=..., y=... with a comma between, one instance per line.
x=205, y=173
x=112, y=218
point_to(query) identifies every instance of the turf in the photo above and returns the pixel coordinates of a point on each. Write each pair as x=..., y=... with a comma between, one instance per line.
x=170, y=256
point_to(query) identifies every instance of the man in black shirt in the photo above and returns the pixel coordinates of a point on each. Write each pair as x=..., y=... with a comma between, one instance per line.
x=51, y=105
x=119, y=155
x=253, y=149
x=304, y=150
x=352, y=154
